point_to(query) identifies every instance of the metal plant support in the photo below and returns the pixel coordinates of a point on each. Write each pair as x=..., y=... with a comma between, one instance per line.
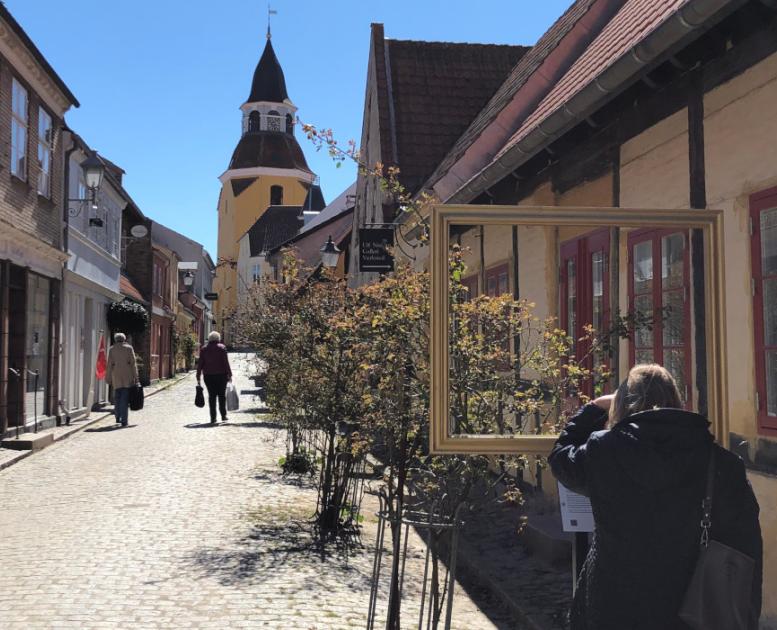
x=428, y=523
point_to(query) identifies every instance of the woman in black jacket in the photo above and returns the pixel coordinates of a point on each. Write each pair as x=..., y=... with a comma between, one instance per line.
x=646, y=478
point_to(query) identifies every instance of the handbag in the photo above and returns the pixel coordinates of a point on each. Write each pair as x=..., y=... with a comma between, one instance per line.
x=199, y=397
x=136, y=398
x=719, y=594
x=233, y=401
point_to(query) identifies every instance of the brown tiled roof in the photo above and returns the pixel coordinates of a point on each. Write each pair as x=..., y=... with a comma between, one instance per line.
x=308, y=244
x=268, y=148
x=130, y=290
x=276, y=225
x=519, y=75
x=635, y=20
x=436, y=89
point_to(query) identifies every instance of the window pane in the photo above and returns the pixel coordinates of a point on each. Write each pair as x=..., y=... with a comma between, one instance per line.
x=643, y=267
x=643, y=307
x=597, y=280
x=572, y=302
x=643, y=356
x=503, y=283
x=674, y=320
x=19, y=101
x=771, y=383
x=674, y=361
x=672, y=261
x=769, y=242
x=770, y=311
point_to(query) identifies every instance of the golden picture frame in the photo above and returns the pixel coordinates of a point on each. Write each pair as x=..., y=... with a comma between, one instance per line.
x=444, y=217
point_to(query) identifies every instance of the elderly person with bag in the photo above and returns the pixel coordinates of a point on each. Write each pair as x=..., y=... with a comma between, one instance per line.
x=214, y=364
x=648, y=467
x=121, y=373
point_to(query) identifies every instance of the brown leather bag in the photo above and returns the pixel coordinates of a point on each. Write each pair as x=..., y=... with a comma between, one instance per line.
x=720, y=591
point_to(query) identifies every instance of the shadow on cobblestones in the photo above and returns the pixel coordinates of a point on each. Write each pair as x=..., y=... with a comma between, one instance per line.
x=280, y=548
x=109, y=428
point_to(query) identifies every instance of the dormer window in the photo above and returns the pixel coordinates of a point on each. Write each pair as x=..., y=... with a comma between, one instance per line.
x=254, y=121
x=273, y=121
x=276, y=195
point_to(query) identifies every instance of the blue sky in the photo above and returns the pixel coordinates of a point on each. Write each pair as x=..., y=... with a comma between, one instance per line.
x=160, y=82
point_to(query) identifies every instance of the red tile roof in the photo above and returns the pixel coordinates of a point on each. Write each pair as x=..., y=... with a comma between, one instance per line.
x=130, y=290
x=436, y=89
x=633, y=22
x=516, y=79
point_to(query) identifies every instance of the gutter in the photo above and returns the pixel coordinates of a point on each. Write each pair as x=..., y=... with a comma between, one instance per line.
x=686, y=23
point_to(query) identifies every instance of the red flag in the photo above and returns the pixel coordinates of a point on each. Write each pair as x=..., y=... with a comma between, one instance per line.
x=102, y=361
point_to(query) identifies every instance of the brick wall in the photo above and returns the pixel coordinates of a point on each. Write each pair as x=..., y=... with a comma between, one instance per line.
x=21, y=205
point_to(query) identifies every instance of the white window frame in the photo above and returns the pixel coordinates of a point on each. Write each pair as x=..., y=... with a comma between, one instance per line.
x=19, y=124
x=45, y=152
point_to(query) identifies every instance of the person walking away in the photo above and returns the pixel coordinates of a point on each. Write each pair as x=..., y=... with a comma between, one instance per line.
x=121, y=373
x=214, y=365
x=646, y=477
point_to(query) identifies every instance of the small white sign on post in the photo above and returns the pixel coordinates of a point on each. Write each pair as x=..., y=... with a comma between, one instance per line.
x=576, y=513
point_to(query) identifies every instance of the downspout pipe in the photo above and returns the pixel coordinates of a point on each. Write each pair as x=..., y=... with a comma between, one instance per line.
x=686, y=23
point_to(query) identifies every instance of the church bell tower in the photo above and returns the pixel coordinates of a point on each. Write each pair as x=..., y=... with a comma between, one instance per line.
x=267, y=169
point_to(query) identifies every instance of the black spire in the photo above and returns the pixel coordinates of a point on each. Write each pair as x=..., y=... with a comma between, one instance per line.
x=269, y=84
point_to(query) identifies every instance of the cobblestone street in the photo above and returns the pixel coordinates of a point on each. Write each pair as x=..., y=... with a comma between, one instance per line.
x=174, y=523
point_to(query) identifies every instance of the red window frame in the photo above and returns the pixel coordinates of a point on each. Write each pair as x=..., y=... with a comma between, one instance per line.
x=579, y=249
x=494, y=277
x=471, y=284
x=654, y=237
x=760, y=202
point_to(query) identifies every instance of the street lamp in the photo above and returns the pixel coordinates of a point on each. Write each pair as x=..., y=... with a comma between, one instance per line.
x=188, y=279
x=93, y=169
x=330, y=254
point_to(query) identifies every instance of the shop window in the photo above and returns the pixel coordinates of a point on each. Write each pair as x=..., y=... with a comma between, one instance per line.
x=584, y=289
x=37, y=344
x=659, y=289
x=763, y=208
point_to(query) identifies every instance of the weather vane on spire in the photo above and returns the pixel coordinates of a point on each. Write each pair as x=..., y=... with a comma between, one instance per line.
x=270, y=11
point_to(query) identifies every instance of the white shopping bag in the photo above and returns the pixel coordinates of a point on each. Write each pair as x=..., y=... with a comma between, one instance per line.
x=233, y=400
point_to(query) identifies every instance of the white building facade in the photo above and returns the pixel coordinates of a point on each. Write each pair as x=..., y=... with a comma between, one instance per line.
x=91, y=283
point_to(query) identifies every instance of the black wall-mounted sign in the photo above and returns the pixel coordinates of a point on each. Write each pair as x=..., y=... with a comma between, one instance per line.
x=211, y=296
x=375, y=245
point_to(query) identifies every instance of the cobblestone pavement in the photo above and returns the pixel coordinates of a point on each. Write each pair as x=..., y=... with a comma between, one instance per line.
x=174, y=523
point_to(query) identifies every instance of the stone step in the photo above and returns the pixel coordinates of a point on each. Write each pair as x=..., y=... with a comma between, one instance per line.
x=28, y=441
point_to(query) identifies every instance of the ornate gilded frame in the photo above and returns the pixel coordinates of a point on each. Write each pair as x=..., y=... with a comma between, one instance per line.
x=443, y=217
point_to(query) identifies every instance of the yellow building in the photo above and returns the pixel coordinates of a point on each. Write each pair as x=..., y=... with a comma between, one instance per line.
x=267, y=169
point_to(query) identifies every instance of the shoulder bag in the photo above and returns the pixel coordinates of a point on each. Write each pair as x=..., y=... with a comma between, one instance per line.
x=720, y=591
x=136, y=397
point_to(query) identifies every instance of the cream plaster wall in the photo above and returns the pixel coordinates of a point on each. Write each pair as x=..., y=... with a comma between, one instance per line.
x=740, y=130
x=236, y=216
x=654, y=166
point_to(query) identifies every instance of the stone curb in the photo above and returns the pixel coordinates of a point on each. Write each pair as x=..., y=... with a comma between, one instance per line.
x=80, y=427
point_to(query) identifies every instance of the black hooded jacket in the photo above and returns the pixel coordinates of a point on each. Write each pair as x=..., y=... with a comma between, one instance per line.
x=646, y=478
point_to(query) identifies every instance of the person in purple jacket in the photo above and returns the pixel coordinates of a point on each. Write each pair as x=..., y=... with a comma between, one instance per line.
x=214, y=364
